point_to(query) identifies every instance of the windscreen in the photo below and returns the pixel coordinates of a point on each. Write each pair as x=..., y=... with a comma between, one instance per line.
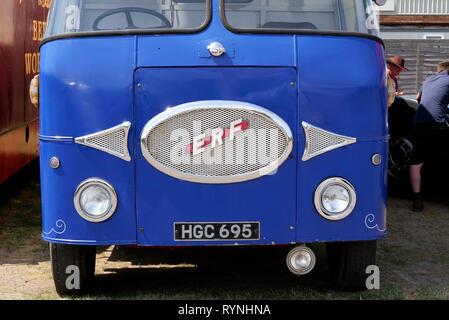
x=69, y=16
x=291, y=15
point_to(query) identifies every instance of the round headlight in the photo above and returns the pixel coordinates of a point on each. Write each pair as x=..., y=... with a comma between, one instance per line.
x=301, y=260
x=335, y=198
x=95, y=200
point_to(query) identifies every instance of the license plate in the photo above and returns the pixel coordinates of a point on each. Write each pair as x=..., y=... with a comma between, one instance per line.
x=216, y=231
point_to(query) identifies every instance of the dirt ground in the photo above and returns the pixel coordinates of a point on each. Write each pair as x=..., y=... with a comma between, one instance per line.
x=413, y=260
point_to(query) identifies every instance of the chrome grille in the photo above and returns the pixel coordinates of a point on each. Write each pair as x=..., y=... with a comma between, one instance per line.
x=263, y=144
x=113, y=141
x=319, y=141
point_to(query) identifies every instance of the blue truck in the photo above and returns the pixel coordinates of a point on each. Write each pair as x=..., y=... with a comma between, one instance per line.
x=214, y=123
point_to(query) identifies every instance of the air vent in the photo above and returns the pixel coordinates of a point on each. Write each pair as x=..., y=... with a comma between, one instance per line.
x=113, y=141
x=319, y=141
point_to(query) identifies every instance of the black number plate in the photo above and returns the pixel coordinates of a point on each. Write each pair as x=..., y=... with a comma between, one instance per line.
x=216, y=231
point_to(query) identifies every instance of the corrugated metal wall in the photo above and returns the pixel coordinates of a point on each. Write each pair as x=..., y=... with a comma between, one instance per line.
x=422, y=6
x=421, y=58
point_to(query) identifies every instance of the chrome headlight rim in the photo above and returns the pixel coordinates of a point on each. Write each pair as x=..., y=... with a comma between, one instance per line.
x=102, y=184
x=294, y=253
x=328, y=183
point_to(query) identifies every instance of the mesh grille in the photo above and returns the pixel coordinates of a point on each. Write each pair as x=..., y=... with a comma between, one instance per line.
x=113, y=141
x=261, y=144
x=320, y=141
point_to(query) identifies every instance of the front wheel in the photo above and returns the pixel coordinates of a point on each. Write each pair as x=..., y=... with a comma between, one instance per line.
x=348, y=261
x=73, y=267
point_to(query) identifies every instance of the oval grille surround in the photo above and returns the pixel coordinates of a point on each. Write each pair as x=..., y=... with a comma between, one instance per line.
x=257, y=151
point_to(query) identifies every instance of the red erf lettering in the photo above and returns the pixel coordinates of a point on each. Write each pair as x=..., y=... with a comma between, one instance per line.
x=218, y=135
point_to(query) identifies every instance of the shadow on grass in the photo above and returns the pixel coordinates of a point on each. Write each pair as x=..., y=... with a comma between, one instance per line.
x=204, y=273
x=25, y=178
x=246, y=273
x=20, y=218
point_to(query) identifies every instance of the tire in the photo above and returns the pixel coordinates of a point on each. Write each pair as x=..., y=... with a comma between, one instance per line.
x=63, y=257
x=399, y=157
x=348, y=261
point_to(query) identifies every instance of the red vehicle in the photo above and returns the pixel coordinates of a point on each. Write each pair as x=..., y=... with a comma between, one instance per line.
x=22, y=24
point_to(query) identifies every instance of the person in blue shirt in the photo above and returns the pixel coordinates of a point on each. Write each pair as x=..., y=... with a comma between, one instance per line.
x=430, y=126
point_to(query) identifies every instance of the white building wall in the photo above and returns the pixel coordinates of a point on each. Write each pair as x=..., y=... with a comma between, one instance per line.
x=414, y=7
x=413, y=34
x=407, y=7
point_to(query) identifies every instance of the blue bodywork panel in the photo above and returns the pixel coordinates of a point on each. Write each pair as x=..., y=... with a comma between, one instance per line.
x=341, y=89
x=163, y=200
x=333, y=82
x=85, y=89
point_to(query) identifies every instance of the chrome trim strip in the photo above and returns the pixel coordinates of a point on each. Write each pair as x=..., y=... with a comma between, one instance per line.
x=317, y=198
x=216, y=104
x=55, y=138
x=124, y=126
x=307, y=129
x=95, y=181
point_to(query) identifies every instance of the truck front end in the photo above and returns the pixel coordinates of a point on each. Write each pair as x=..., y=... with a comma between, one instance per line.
x=211, y=123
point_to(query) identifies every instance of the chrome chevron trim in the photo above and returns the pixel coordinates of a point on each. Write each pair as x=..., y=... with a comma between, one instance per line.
x=319, y=141
x=113, y=141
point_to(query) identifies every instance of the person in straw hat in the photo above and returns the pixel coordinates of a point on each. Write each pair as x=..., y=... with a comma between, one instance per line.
x=395, y=66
